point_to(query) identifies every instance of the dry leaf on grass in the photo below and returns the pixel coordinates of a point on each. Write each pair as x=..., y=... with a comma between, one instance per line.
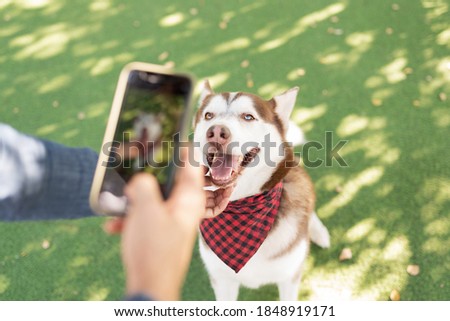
x=395, y=295
x=45, y=244
x=245, y=63
x=223, y=25
x=377, y=102
x=395, y=7
x=346, y=254
x=413, y=269
x=250, y=82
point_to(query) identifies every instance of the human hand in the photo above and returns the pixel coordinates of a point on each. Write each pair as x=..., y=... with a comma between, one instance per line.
x=217, y=200
x=157, y=235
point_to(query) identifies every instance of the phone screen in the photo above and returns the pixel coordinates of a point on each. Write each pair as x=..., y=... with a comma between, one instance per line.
x=147, y=134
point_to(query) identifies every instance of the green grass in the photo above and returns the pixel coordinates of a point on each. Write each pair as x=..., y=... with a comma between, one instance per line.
x=59, y=61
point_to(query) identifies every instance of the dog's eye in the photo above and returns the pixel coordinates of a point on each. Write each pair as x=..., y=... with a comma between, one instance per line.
x=248, y=117
x=209, y=116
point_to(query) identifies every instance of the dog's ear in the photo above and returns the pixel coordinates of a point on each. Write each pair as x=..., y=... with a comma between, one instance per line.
x=206, y=91
x=284, y=104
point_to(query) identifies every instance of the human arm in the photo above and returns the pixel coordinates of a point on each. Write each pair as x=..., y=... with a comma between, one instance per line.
x=40, y=179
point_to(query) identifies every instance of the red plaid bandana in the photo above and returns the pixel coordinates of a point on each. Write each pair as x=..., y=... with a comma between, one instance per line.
x=237, y=233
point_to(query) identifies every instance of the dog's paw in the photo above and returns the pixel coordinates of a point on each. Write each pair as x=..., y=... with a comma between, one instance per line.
x=318, y=232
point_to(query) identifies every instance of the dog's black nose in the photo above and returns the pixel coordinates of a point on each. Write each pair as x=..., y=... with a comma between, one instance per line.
x=218, y=134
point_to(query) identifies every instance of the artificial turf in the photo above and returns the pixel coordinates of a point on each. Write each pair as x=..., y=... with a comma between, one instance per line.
x=375, y=73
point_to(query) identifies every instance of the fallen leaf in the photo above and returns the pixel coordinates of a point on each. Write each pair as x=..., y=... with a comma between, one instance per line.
x=45, y=244
x=245, y=63
x=334, y=19
x=250, y=83
x=413, y=269
x=223, y=25
x=395, y=7
x=193, y=11
x=163, y=56
x=377, y=102
x=55, y=104
x=442, y=96
x=416, y=103
x=346, y=254
x=389, y=31
x=395, y=295
x=338, y=189
x=81, y=115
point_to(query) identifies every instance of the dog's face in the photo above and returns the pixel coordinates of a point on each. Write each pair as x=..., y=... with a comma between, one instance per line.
x=241, y=133
x=147, y=127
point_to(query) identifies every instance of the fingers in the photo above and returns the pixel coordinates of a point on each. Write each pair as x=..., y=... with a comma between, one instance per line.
x=217, y=201
x=143, y=189
x=188, y=189
x=188, y=175
x=114, y=226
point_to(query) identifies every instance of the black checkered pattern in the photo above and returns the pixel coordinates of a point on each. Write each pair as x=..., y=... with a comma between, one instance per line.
x=237, y=233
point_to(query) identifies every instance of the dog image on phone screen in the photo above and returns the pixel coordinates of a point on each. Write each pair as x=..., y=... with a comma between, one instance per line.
x=263, y=235
x=147, y=129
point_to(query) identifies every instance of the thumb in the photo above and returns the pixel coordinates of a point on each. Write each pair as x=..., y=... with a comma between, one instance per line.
x=188, y=189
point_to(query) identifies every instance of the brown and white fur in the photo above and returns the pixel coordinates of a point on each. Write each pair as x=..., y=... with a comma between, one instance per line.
x=280, y=258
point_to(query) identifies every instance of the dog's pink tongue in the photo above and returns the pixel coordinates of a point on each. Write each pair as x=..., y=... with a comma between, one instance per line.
x=223, y=165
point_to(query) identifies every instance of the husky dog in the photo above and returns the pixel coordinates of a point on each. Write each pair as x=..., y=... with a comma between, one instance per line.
x=242, y=139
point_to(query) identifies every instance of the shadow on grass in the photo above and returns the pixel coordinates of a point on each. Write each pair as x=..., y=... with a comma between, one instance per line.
x=372, y=73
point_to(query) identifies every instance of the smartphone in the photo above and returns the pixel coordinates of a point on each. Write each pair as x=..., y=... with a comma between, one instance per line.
x=149, y=118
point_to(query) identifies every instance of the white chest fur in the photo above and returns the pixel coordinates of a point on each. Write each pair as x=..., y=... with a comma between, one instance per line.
x=266, y=266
